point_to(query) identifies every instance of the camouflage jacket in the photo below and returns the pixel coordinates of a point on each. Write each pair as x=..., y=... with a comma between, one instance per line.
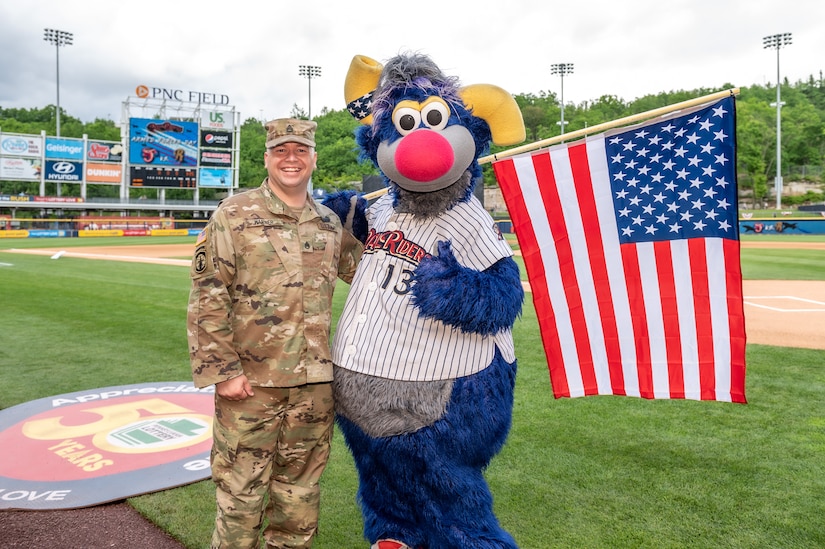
x=262, y=285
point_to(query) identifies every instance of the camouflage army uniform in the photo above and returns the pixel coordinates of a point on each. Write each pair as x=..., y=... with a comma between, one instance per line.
x=260, y=305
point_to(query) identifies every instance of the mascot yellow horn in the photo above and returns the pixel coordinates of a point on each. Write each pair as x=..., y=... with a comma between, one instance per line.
x=362, y=79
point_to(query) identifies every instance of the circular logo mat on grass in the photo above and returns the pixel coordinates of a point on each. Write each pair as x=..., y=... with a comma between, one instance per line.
x=101, y=445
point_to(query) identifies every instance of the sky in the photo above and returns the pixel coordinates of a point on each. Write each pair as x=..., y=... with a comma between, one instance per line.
x=250, y=51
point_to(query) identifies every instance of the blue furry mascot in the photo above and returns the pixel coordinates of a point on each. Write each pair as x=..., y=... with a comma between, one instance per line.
x=425, y=366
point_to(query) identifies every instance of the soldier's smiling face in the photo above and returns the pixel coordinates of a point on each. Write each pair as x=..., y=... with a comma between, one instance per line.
x=290, y=166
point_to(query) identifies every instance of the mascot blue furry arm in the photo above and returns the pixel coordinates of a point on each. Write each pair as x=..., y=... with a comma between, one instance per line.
x=424, y=361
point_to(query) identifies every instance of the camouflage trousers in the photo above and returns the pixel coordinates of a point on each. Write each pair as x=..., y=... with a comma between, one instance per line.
x=268, y=454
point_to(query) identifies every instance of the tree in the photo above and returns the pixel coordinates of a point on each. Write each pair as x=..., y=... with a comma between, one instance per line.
x=802, y=146
x=298, y=112
x=534, y=117
x=104, y=130
x=338, y=162
x=250, y=161
x=754, y=153
x=803, y=136
x=604, y=109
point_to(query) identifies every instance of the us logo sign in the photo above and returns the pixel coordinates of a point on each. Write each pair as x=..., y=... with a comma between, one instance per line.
x=92, y=447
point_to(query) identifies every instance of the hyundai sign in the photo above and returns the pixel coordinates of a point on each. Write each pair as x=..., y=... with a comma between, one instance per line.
x=64, y=171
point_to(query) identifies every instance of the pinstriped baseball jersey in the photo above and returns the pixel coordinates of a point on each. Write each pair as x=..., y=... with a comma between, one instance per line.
x=380, y=332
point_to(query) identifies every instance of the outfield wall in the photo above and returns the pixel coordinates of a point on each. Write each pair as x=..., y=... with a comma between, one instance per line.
x=71, y=233
x=766, y=226
x=789, y=225
x=748, y=226
x=98, y=226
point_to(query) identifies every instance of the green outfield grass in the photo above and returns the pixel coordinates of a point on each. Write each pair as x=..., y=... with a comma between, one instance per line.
x=591, y=472
x=783, y=237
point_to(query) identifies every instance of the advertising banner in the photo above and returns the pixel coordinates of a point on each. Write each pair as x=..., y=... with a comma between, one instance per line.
x=64, y=199
x=181, y=178
x=103, y=173
x=20, y=169
x=92, y=233
x=216, y=158
x=774, y=227
x=21, y=145
x=15, y=198
x=64, y=171
x=163, y=142
x=105, y=151
x=64, y=149
x=216, y=177
x=14, y=233
x=212, y=139
x=217, y=120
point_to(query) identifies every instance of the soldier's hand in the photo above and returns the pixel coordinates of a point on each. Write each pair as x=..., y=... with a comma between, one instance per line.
x=237, y=388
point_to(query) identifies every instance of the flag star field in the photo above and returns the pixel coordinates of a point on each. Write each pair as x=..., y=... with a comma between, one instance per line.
x=674, y=179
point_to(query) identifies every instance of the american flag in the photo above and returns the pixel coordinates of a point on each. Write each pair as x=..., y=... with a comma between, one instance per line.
x=630, y=240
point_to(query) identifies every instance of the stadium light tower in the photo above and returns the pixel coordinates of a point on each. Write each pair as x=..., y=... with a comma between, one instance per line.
x=58, y=38
x=776, y=41
x=310, y=71
x=561, y=69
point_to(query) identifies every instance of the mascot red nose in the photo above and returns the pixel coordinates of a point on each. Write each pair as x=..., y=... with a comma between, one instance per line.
x=424, y=360
x=424, y=156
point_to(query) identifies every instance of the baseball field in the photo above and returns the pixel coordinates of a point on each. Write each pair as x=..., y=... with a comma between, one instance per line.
x=778, y=312
x=588, y=472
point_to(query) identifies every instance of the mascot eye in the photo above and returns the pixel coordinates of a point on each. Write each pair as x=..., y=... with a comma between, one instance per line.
x=435, y=115
x=406, y=119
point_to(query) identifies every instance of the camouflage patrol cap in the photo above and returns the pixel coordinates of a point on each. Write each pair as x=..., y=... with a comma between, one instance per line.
x=285, y=130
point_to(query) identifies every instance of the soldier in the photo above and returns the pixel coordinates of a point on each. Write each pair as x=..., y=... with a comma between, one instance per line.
x=258, y=325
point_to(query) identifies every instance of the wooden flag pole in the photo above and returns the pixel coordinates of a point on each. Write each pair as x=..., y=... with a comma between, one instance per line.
x=593, y=129
x=376, y=194
x=608, y=125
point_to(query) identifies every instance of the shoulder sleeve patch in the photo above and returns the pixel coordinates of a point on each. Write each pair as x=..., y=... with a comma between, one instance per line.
x=199, y=261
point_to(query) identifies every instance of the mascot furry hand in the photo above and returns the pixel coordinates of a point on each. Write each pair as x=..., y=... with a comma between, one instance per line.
x=425, y=367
